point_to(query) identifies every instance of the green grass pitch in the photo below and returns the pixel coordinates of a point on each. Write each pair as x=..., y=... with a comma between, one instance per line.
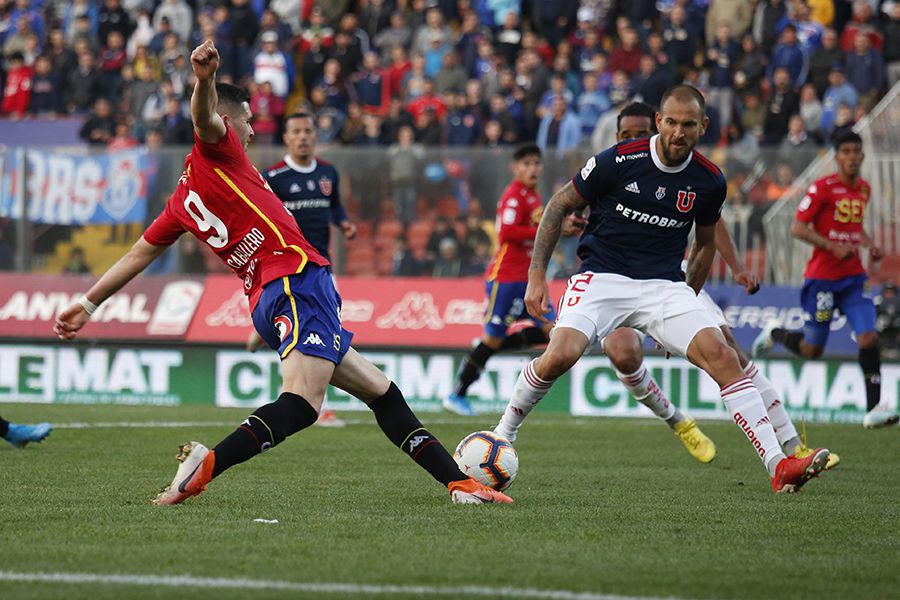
x=603, y=506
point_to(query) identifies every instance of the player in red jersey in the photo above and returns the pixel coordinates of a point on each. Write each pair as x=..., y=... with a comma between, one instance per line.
x=830, y=218
x=518, y=214
x=224, y=201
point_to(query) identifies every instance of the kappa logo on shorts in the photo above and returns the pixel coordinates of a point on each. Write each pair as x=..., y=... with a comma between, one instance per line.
x=283, y=326
x=313, y=338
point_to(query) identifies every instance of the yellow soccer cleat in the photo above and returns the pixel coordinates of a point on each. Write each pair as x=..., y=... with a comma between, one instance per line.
x=701, y=447
x=804, y=450
x=833, y=459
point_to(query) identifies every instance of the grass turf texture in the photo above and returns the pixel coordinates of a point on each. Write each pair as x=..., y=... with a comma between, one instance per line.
x=603, y=505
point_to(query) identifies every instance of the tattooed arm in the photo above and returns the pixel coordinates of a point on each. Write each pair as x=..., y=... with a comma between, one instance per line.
x=564, y=202
x=702, y=253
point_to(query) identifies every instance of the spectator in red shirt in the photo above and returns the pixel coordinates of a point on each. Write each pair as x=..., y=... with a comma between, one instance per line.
x=428, y=100
x=17, y=91
x=268, y=112
x=112, y=59
x=862, y=23
x=627, y=56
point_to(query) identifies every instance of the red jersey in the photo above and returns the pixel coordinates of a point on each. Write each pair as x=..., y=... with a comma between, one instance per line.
x=223, y=200
x=836, y=212
x=17, y=92
x=518, y=215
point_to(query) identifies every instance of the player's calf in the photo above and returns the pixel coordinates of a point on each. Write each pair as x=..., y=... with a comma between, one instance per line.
x=405, y=430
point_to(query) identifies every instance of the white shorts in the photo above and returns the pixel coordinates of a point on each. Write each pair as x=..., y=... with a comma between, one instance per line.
x=712, y=308
x=667, y=311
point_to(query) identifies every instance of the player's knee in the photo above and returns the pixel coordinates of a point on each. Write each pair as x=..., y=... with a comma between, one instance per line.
x=286, y=416
x=552, y=364
x=625, y=358
x=721, y=356
x=869, y=339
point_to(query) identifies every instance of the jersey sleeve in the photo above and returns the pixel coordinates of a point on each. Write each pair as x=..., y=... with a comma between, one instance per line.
x=165, y=229
x=811, y=204
x=595, y=179
x=228, y=150
x=709, y=212
x=510, y=218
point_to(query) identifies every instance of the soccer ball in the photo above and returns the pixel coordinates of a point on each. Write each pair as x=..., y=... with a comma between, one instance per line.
x=488, y=458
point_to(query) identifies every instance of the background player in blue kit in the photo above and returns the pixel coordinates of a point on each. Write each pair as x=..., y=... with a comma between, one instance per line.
x=518, y=214
x=645, y=195
x=310, y=190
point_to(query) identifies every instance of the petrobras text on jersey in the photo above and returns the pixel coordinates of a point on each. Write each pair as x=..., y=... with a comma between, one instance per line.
x=642, y=217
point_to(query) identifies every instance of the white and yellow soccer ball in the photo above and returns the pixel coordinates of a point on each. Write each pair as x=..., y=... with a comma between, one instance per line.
x=488, y=458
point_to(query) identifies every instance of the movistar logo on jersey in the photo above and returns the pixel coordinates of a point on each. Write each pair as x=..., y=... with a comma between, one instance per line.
x=621, y=159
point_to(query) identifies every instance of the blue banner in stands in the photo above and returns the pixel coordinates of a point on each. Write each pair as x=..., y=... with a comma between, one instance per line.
x=64, y=188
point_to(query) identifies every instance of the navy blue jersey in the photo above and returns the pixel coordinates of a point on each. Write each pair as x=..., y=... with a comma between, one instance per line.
x=313, y=196
x=642, y=211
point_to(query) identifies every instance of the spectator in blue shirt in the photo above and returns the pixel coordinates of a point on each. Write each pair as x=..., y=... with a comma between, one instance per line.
x=590, y=104
x=839, y=92
x=560, y=129
x=720, y=60
x=865, y=71
x=463, y=125
x=788, y=54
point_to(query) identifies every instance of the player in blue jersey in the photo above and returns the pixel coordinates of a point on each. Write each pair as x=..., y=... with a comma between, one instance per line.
x=310, y=190
x=19, y=435
x=308, y=186
x=645, y=195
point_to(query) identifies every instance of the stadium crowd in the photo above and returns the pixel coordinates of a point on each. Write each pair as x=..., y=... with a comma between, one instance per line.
x=447, y=87
x=455, y=72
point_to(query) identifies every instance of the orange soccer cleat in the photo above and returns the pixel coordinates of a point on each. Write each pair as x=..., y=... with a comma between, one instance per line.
x=469, y=491
x=194, y=472
x=792, y=472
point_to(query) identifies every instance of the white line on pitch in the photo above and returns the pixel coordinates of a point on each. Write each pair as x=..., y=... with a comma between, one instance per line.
x=182, y=581
x=173, y=424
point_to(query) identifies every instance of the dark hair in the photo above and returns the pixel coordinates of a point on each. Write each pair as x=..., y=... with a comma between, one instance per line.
x=847, y=137
x=300, y=114
x=231, y=94
x=637, y=109
x=684, y=91
x=525, y=151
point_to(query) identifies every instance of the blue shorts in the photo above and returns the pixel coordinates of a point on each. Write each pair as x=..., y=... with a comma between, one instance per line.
x=506, y=305
x=302, y=312
x=820, y=297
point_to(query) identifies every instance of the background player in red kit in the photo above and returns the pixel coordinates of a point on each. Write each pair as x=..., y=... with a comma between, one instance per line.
x=518, y=214
x=830, y=219
x=224, y=201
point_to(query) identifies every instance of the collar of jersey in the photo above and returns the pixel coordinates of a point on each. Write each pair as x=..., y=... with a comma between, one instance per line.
x=290, y=162
x=659, y=164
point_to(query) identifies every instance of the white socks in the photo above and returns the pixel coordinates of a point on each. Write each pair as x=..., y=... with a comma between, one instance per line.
x=642, y=386
x=778, y=417
x=743, y=401
x=528, y=392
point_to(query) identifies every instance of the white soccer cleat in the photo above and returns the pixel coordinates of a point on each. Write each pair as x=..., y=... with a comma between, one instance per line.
x=194, y=472
x=763, y=342
x=880, y=417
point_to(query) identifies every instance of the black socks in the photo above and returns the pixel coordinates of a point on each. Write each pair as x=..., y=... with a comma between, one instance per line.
x=870, y=361
x=402, y=427
x=789, y=339
x=268, y=426
x=473, y=364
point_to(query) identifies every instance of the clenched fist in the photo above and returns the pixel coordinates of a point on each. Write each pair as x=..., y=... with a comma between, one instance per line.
x=205, y=61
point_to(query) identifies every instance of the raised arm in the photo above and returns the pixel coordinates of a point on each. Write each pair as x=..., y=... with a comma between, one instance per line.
x=564, y=202
x=126, y=268
x=702, y=254
x=207, y=122
x=727, y=250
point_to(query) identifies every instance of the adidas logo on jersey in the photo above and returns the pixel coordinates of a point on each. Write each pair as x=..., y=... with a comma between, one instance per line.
x=633, y=188
x=295, y=188
x=313, y=338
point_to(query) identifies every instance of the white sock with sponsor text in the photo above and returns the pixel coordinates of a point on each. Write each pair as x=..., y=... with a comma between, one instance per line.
x=778, y=416
x=645, y=390
x=743, y=401
x=528, y=392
